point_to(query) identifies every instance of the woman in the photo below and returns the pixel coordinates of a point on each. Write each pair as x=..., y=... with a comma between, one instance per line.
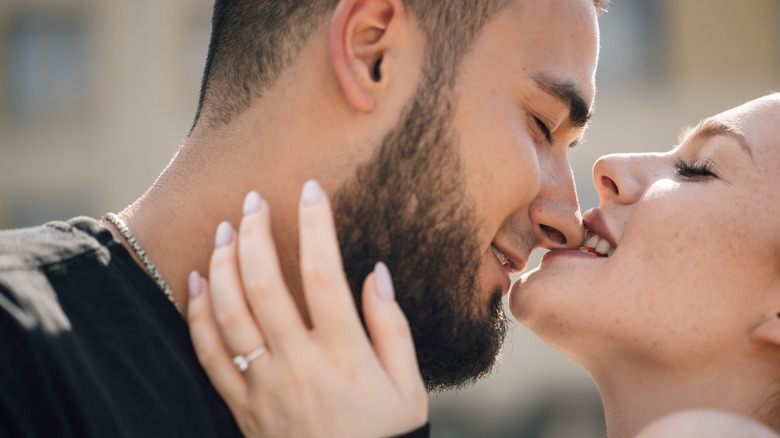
x=672, y=304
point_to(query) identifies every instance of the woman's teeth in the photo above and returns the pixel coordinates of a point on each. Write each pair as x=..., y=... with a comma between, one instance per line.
x=595, y=244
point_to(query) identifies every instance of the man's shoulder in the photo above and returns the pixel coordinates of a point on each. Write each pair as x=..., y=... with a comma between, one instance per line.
x=30, y=249
x=30, y=257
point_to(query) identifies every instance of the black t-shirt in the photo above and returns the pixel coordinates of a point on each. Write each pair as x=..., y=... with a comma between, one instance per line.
x=90, y=346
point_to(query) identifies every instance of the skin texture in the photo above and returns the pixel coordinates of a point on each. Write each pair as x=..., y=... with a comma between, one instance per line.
x=328, y=381
x=414, y=197
x=686, y=312
x=706, y=424
x=328, y=114
x=405, y=206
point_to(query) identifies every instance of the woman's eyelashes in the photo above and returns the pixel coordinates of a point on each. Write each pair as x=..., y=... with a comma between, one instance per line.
x=546, y=132
x=693, y=170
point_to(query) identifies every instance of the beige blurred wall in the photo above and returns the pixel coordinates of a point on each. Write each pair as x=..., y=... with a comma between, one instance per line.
x=719, y=41
x=664, y=64
x=101, y=150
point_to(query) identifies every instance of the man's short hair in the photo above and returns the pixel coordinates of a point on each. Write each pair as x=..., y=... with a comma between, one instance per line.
x=253, y=41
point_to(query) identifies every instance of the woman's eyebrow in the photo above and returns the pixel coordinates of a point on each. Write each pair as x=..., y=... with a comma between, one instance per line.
x=711, y=127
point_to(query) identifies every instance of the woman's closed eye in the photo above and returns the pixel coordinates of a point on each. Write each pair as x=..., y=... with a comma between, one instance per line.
x=694, y=170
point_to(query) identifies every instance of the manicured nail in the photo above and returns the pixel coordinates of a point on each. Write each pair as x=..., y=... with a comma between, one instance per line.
x=384, y=282
x=224, y=234
x=194, y=282
x=311, y=192
x=252, y=202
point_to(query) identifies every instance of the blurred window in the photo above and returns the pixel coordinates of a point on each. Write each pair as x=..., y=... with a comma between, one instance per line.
x=632, y=43
x=48, y=61
x=40, y=208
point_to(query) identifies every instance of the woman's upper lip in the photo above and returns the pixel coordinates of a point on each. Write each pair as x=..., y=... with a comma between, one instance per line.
x=593, y=220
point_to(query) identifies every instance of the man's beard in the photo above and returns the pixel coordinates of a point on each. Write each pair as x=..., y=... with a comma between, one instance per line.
x=407, y=207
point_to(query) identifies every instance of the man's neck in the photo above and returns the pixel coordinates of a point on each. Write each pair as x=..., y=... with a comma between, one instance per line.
x=301, y=129
x=175, y=237
x=176, y=219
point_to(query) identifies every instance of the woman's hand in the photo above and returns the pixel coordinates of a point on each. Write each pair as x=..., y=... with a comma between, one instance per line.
x=326, y=381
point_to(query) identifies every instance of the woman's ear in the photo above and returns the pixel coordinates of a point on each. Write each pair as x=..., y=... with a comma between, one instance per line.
x=361, y=34
x=768, y=331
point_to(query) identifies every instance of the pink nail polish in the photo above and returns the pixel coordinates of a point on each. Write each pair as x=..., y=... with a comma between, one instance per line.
x=194, y=283
x=224, y=234
x=311, y=192
x=384, y=282
x=252, y=202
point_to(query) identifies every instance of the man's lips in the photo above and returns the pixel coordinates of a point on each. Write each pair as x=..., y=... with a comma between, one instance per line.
x=512, y=262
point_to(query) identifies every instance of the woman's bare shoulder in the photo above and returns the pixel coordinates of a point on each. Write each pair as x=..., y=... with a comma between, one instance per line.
x=706, y=423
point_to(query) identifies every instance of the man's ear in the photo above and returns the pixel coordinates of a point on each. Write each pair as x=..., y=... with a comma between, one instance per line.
x=361, y=33
x=768, y=331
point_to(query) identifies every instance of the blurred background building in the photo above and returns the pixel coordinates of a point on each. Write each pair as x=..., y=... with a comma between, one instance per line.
x=96, y=96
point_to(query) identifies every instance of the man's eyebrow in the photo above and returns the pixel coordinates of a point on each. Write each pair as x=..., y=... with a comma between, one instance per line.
x=566, y=92
x=711, y=127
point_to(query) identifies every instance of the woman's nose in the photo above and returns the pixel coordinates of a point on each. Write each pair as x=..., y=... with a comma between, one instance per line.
x=620, y=177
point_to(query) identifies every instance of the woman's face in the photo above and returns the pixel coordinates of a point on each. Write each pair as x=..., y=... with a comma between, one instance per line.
x=696, y=260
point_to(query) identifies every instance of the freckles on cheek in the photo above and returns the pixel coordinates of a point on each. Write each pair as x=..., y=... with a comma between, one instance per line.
x=745, y=233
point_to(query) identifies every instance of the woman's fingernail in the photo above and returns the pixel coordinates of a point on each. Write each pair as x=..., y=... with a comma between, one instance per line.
x=252, y=202
x=194, y=283
x=384, y=282
x=311, y=192
x=224, y=234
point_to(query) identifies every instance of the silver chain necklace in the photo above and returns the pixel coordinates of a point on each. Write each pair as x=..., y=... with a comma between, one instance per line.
x=128, y=235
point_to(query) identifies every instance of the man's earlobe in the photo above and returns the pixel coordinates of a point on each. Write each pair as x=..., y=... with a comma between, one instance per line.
x=361, y=33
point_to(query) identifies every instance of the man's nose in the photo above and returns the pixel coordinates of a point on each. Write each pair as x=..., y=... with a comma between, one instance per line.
x=556, y=211
x=619, y=178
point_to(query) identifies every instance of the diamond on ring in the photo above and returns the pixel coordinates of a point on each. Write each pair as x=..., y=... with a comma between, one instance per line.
x=242, y=362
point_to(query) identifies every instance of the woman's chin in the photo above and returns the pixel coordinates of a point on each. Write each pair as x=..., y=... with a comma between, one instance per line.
x=537, y=301
x=526, y=298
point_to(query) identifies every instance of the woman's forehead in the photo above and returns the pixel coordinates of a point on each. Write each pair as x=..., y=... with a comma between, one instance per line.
x=757, y=114
x=758, y=121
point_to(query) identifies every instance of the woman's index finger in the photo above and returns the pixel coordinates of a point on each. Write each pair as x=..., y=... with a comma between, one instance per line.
x=267, y=293
x=330, y=301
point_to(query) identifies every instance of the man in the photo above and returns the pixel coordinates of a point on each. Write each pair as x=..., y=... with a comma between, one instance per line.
x=441, y=130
